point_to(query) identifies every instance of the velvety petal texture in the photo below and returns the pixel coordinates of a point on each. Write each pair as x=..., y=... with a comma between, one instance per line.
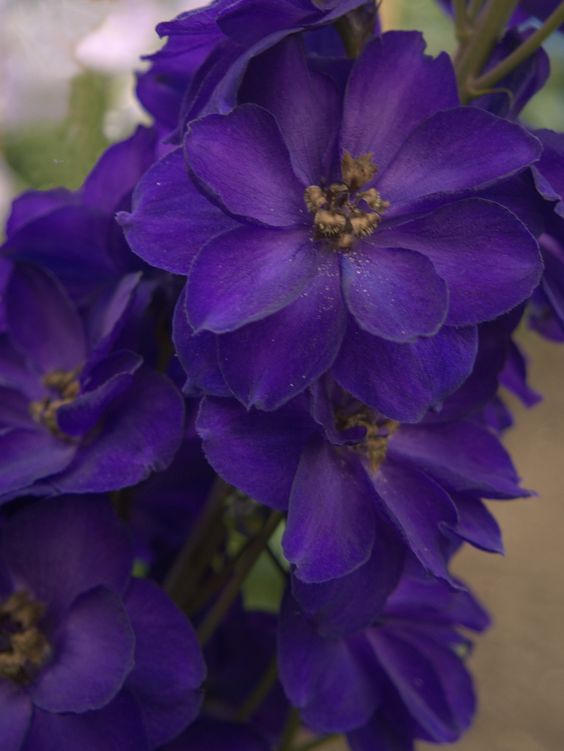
x=331, y=500
x=241, y=160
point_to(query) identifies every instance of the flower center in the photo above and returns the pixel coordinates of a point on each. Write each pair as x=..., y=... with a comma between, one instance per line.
x=66, y=388
x=378, y=431
x=342, y=212
x=23, y=647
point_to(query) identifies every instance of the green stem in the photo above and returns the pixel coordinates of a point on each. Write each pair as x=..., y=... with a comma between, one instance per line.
x=519, y=55
x=316, y=743
x=461, y=19
x=290, y=729
x=241, y=571
x=473, y=55
x=263, y=688
x=181, y=579
x=474, y=7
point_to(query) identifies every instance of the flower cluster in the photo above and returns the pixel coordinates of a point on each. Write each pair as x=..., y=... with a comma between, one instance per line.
x=268, y=334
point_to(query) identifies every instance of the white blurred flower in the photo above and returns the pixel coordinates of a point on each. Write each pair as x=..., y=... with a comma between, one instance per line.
x=45, y=43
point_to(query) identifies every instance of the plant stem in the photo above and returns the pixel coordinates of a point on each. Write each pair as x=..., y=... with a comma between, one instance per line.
x=180, y=581
x=473, y=55
x=519, y=55
x=240, y=573
x=461, y=19
x=290, y=729
x=474, y=7
x=316, y=743
x=263, y=688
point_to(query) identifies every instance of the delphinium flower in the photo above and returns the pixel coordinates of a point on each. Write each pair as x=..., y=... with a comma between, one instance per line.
x=548, y=301
x=77, y=415
x=89, y=658
x=348, y=219
x=398, y=680
x=73, y=233
x=369, y=484
x=200, y=67
x=357, y=250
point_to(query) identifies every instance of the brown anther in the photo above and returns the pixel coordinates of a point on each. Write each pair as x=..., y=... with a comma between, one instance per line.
x=67, y=387
x=346, y=241
x=341, y=214
x=373, y=199
x=374, y=447
x=315, y=198
x=329, y=223
x=364, y=224
x=24, y=649
x=357, y=172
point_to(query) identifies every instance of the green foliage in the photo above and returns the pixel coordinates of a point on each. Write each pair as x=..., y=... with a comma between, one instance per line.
x=62, y=155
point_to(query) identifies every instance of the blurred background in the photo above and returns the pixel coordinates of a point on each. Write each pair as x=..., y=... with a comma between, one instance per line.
x=66, y=92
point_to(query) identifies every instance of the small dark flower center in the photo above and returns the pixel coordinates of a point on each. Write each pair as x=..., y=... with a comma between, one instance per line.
x=378, y=431
x=65, y=387
x=342, y=212
x=24, y=649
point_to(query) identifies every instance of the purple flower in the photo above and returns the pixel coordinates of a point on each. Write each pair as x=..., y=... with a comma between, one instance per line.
x=201, y=65
x=89, y=658
x=365, y=483
x=399, y=679
x=77, y=415
x=548, y=301
x=74, y=234
x=322, y=235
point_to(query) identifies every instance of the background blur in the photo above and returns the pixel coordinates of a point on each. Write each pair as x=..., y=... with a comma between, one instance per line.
x=66, y=91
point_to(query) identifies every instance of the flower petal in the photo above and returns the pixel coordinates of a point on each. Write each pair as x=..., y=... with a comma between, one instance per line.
x=141, y=435
x=330, y=700
x=392, y=293
x=43, y=322
x=256, y=451
x=28, y=455
x=353, y=602
x=422, y=511
x=197, y=354
x=169, y=670
x=331, y=519
x=452, y=153
x=15, y=716
x=241, y=160
x=403, y=381
x=464, y=456
x=171, y=219
x=94, y=653
x=268, y=362
x=477, y=525
x=116, y=727
x=305, y=104
x=393, y=88
x=247, y=274
x=83, y=545
x=488, y=258
x=412, y=670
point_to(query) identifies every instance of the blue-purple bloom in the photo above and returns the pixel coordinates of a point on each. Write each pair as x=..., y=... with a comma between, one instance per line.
x=89, y=658
x=77, y=414
x=398, y=680
x=200, y=67
x=348, y=236
x=371, y=486
x=74, y=234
